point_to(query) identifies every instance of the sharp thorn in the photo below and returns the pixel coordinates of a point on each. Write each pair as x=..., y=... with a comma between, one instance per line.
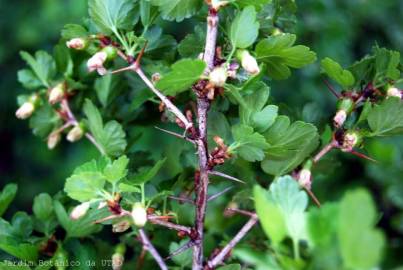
x=330, y=87
x=212, y=197
x=361, y=155
x=313, y=197
x=180, y=250
x=137, y=63
x=226, y=176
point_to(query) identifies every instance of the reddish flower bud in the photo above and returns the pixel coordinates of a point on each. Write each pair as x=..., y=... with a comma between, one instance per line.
x=96, y=62
x=56, y=94
x=75, y=134
x=77, y=43
x=218, y=76
x=80, y=210
x=248, y=62
x=139, y=215
x=53, y=140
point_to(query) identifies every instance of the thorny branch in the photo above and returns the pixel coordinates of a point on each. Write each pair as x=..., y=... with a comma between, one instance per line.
x=220, y=257
x=203, y=105
x=148, y=246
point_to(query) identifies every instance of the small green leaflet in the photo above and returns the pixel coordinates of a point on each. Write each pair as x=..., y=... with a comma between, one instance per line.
x=342, y=76
x=111, y=15
x=280, y=55
x=385, y=119
x=146, y=174
x=289, y=145
x=255, y=113
x=184, y=73
x=258, y=4
x=71, y=31
x=360, y=243
x=7, y=195
x=43, y=206
x=386, y=64
x=177, y=10
x=110, y=137
x=244, y=29
x=44, y=120
x=116, y=170
x=43, y=67
x=193, y=44
x=84, y=226
x=85, y=184
x=283, y=204
x=249, y=144
x=106, y=87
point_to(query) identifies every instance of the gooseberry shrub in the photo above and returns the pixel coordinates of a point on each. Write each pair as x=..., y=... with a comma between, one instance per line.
x=197, y=167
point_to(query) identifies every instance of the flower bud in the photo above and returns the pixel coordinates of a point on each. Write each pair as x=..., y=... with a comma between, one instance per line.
x=53, y=140
x=80, y=210
x=339, y=118
x=248, y=62
x=139, y=215
x=111, y=52
x=117, y=261
x=75, y=134
x=217, y=4
x=350, y=140
x=394, y=92
x=77, y=43
x=121, y=226
x=304, y=178
x=96, y=62
x=25, y=111
x=218, y=76
x=56, y=94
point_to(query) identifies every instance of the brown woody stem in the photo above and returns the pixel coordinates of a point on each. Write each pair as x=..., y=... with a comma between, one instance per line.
x=203, y=105
x=219, y=258
x=150, y=248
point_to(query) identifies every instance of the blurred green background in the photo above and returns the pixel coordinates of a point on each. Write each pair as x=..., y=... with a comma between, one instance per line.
x=344, y=30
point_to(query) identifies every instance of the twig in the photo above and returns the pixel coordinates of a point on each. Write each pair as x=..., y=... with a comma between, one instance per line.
x=216, y=173
x=324, y=151
x=169, y=225
x=180, y=250
x=219, y=258
x=149, y=246
x=313, y=197
x=212, y=197
x=330, y=87
x=170, y=106
x=203, y=105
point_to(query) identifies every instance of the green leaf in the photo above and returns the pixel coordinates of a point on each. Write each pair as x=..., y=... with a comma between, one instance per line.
x=85, y=184
x=244, y=28
x=183, y=259
x=44, y=121
x=184, y=73
x=230, y=267
x=111, y=15
x=360, y=243
x=28, y=79
x=43, y=206
x=387, y=64
x=21, y=225
x=43, y=66
x=258, y=4
x=64, y=63
x=280, y=55
x=292, y=201
x=193, y=44
x=253, y=113
x=322, y=226
x=384, y=119
x=71, y=31
x=147, y=174
x=110, y=137
x=289, y=145
x=7, y=195
x=124, y=187
x=333, y=69
x=270, y=216
x=20, y=250
x=84, y=226
x=177, y=9
x=116, y=170
x=105, y=86
x=249, y=144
